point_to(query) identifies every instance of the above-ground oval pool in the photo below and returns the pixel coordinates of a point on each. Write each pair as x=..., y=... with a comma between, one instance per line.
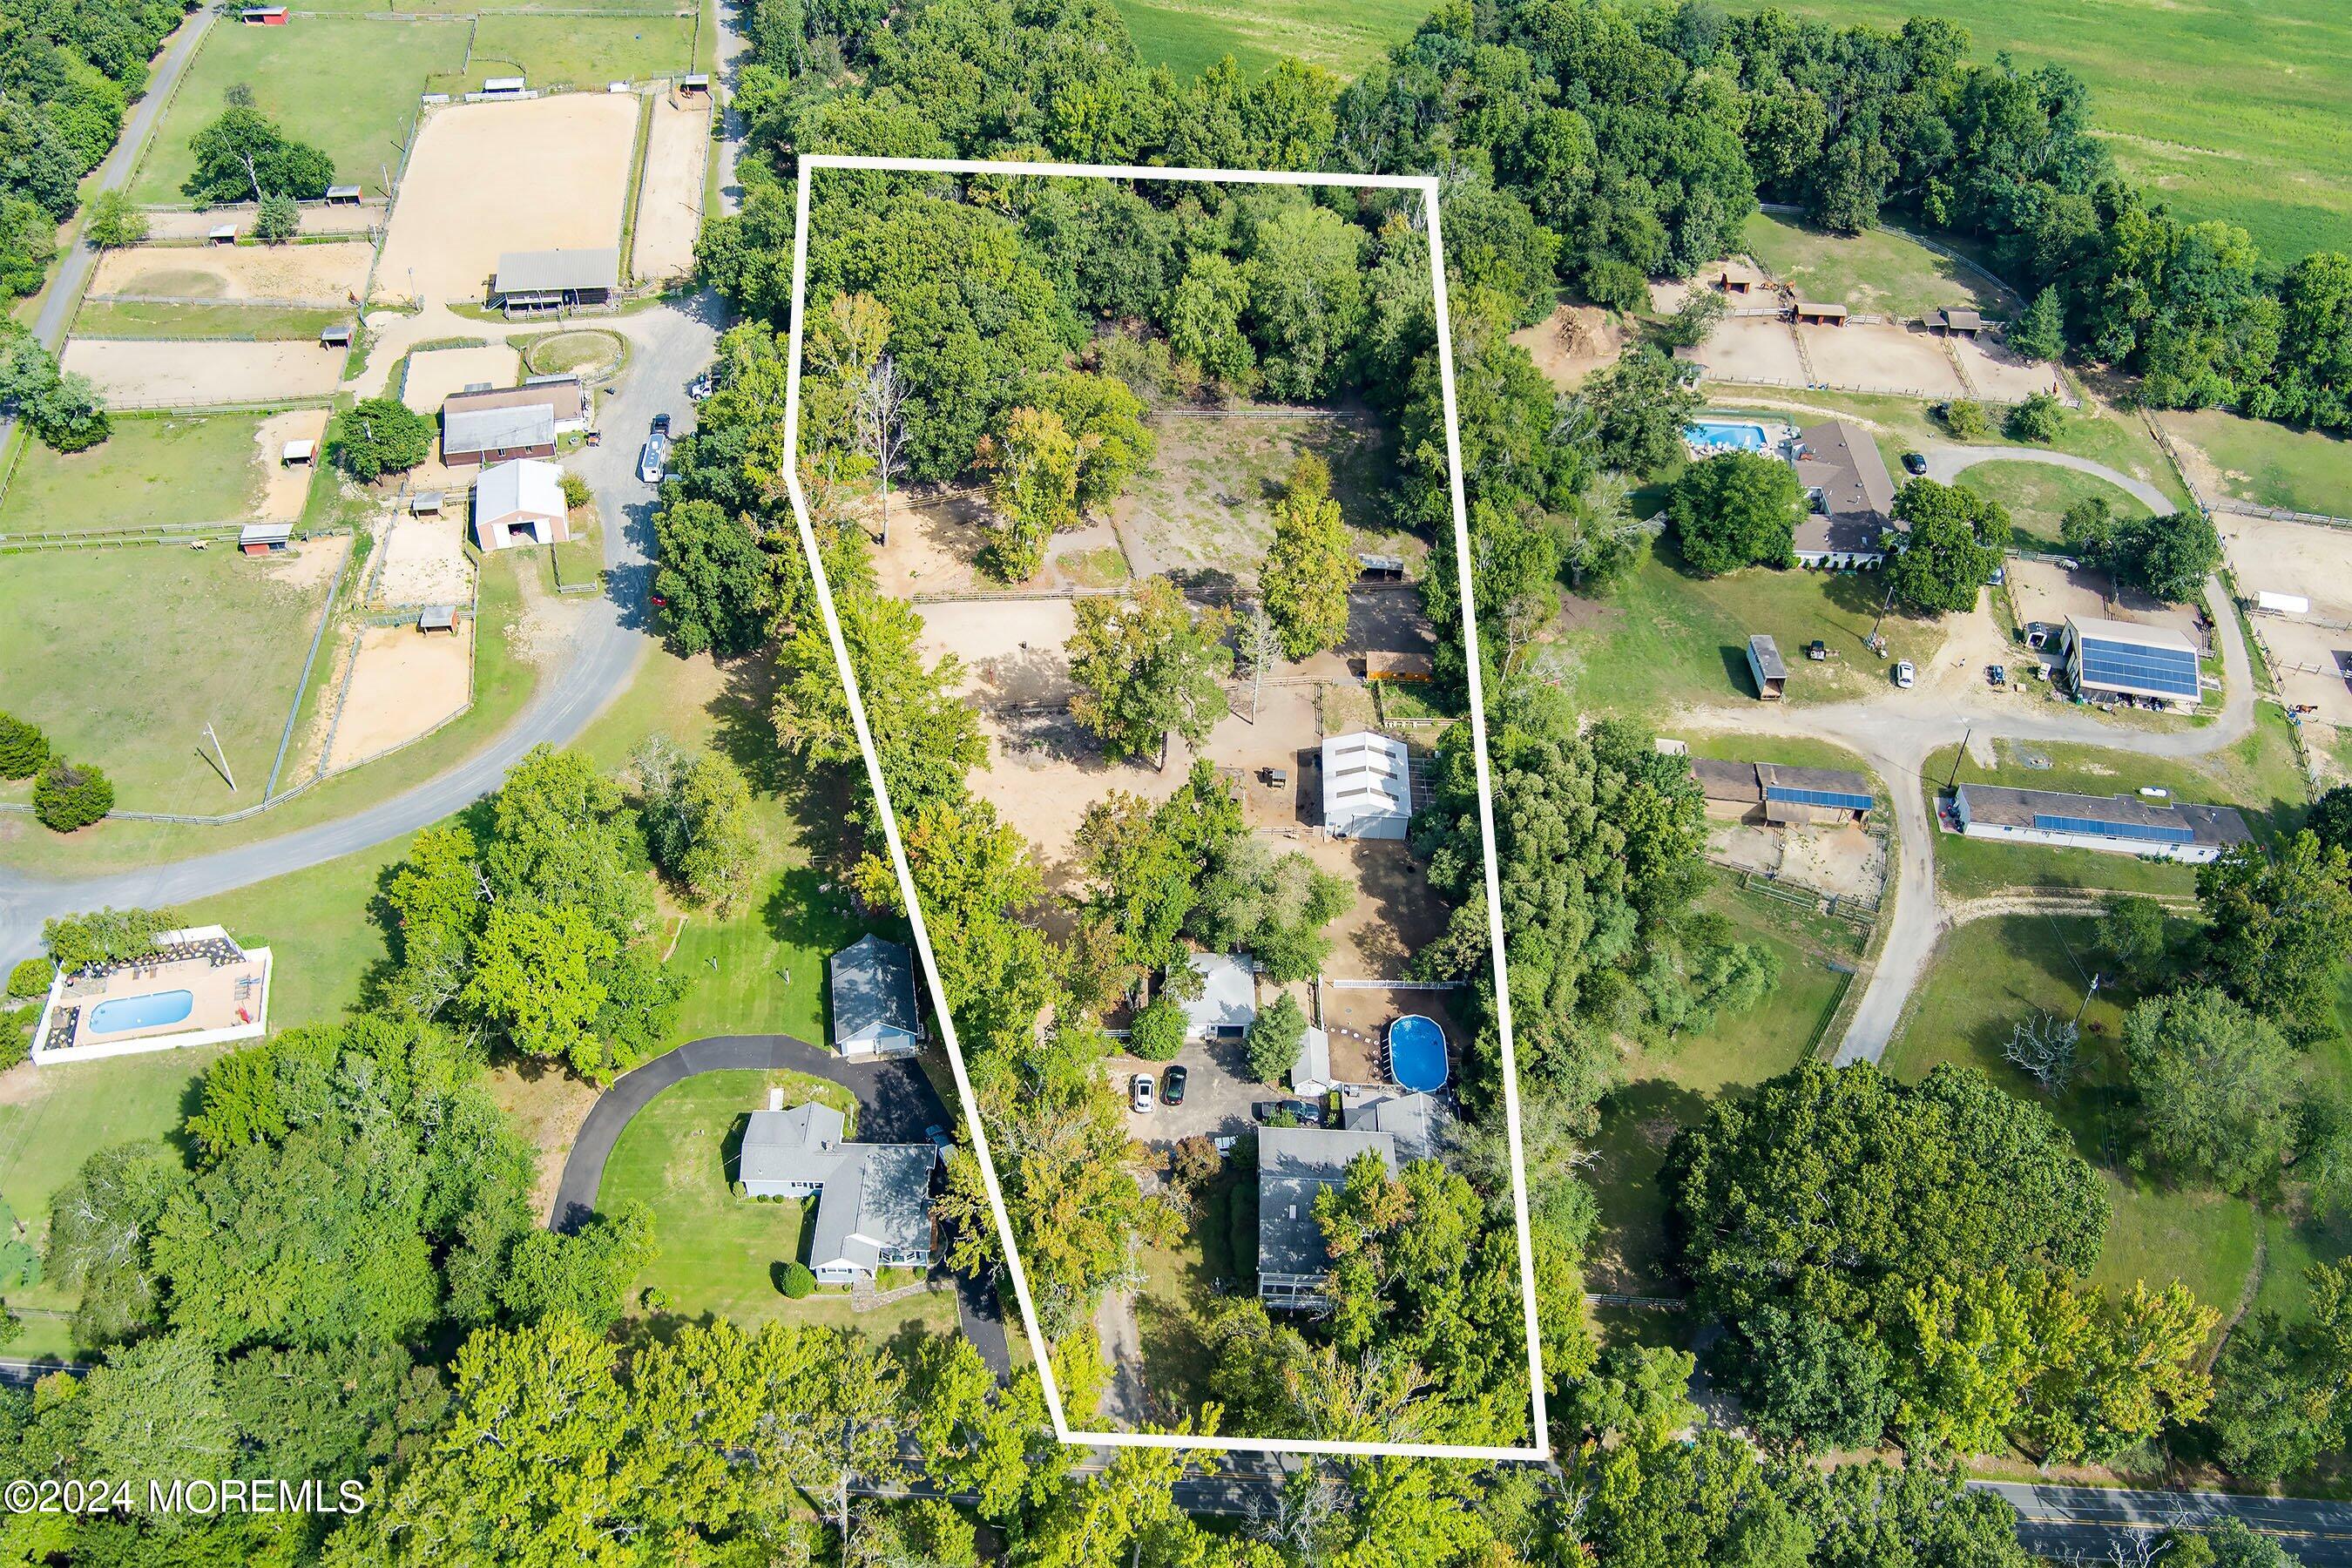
x=117, y=1014
x=1417, y=1054
x=1727, y=435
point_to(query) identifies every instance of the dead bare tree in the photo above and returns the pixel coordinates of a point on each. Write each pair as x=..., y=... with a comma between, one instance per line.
x=881, y=421
x=2044, y=1048
x=1260, y=649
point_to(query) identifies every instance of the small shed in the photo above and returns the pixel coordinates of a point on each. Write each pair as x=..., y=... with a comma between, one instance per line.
x=1380, y=568
x=297, y=453
x=520, y=502
x=1958, y=322
x=437, y=618
x=1732, y=284
x=1764, y=664
x=694, y=86
x=264, y=538
x=342, y=195
x=335, y=337
x=1812, y=315
x=262, y=15
x=222, y=234
x=505, y=85
x=425, y=503
x=2277, y=603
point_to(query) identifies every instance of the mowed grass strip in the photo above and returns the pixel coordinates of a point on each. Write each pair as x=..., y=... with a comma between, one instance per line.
x=153, y=469
x=583, y=51
x=1192, y=35
x=2270, y=465
x=124, y=655
x=2038, y=495
x=257, y=323
x=348, y=85
x=1877, y=271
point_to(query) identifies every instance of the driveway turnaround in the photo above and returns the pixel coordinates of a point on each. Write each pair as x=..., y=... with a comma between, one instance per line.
x=895, y=1104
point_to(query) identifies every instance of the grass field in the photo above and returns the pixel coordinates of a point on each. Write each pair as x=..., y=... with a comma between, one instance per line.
x=584, y=51
x=1217, y=1247
x=1662, y=638
x=718, y=1252
x=2037, y=496
x=2227, y=109
x=1191, y=34
x=316, y=925
x=261, y=323
x=124, y=655
x=2270, y=464
x=1878, y=272
x=152, y=469
x=347, y=86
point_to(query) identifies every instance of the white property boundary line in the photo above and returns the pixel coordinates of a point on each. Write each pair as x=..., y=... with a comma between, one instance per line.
x=1427, y=187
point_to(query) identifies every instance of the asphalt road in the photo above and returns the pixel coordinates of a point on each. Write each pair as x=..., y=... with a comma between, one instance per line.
x=895, y=1104
x=2080, y=1523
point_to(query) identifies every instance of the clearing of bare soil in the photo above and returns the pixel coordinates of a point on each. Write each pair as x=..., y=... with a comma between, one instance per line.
x=1843, y=862
x=452, y=222
x=2045, y=592
x=1394, y=916
x=1574, y=342
x=1011, y=649
x=1046, y=769
x=669, y=200
x=546, y=628
x=1750, y=348
x=1284, y=735
x=343, y=217
x=936, y=541
x=434, y=374
x=2003, y=376
x=154, y=373
x=285, y=486
x=285, y=274
x=1870, y=356
x=424, y=562
x=2312, y=664
x=402, y=683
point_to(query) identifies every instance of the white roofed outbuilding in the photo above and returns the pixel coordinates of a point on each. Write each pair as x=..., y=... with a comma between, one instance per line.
x=1367, y=786
x=520, y=502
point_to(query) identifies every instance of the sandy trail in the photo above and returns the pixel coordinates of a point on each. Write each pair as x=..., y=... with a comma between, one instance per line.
x=669, y=201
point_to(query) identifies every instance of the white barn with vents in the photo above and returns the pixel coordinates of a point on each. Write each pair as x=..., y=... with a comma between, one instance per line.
x=520, y=502
x=1367, y=786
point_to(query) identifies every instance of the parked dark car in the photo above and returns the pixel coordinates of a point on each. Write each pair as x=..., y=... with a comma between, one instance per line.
x=661, y=424
x=1300, y=1111
x=1914, y=463
x=1172, y=1086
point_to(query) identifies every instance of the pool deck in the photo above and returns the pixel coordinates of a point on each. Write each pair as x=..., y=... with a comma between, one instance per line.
x=228, y=986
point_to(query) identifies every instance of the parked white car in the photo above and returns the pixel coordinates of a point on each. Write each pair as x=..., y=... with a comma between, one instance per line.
x=1905, y=673
x=1140, y=1094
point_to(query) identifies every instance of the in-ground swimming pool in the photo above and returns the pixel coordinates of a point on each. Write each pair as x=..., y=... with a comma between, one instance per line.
x=1727, y=436
x=120, y=1012
x=1417, y=1054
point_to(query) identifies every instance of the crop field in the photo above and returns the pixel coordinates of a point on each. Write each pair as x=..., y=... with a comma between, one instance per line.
x=348, y=86
x=1191, y=35
x=2227, y=108
x=585, y=51
x=152, y=469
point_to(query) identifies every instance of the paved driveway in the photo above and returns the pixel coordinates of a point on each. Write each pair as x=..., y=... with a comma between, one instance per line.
x=1217, y=1094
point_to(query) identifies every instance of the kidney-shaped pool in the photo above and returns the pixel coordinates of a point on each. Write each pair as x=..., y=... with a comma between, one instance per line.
x=117, y=1014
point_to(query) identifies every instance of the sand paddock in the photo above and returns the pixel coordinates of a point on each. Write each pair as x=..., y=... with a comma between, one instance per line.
x=317, y=218
x=434, y=374
x=1875, y=357
x=669, y=201
x=403, y=682
x=1011, y=649
x=458, y=211
x=1750, y=348
x=424, y=562
x=2002, y=375
x=2313, y=663
x=285, y=487
x=2302, y=558
x=293, y=274
x=153, y=374
x=1574, y=342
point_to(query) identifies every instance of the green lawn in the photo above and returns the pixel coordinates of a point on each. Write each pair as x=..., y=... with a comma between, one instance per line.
x=316, y=923
x=2157, y=1235
x=347, y=85
x=2227, y=108
x=2270, y=465
x=1217, y=1247
x=2291, y=1244
x=1663, y=638
x=584, y=51
x=152, y=469
x=720, y=1252
x=124, y=655
x=1193, y=34
x=2037, y=496
x=261, y=324
x=1877, y=272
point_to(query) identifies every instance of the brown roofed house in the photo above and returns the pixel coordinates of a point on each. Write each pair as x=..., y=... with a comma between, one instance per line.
x=1852, y=496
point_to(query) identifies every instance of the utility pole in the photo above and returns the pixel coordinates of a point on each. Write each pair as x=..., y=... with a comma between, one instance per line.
x=1954, y=782
x=1884, y=606
x=223, y=755
x=2086, y=1008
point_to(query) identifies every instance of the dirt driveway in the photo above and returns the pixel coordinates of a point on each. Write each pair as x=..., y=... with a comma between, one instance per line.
x=2048, y=592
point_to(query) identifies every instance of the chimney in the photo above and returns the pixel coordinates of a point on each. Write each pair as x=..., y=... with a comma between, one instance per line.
x=776, y=1097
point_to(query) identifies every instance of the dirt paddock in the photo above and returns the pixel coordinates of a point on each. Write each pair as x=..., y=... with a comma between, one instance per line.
x=2291, y=558
x=1882, y=357
x=669, y=202
x=1394, y=916
x=454, y=217
x=1750, y=348
x=424, y=562
x=2049, y=592
x=293, y=274
x=434, y=374
x=2002, y=375
x=153, y=373
x=285, y=486
x=403, y=682
x=1574, y=342
x=1011, y=649
x=317, y=218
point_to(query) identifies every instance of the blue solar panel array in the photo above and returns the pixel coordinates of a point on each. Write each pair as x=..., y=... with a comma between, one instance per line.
x=2171, y=670
x=2148, y=830
x=1819, y=797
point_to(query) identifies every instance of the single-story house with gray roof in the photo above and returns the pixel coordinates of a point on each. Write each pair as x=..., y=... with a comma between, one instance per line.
x=874, y=1010
x=874, y=1200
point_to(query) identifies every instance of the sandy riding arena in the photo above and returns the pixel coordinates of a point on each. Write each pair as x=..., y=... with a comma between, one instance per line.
x=287, y=274
x=2003, y=376
x=403, y=682
x=423, y=563
x=285, y=486
x=669, y=202
x=434, y=374
x=544, y=174
x=1869, y=356
x=1750, y=348
x=154, y=373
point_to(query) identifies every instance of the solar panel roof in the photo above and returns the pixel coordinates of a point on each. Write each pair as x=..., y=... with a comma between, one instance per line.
x=2136, y=667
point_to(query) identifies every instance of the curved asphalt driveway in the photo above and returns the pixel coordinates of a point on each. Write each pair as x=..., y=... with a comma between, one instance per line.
x=895, y=1103
x=1947, y=463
